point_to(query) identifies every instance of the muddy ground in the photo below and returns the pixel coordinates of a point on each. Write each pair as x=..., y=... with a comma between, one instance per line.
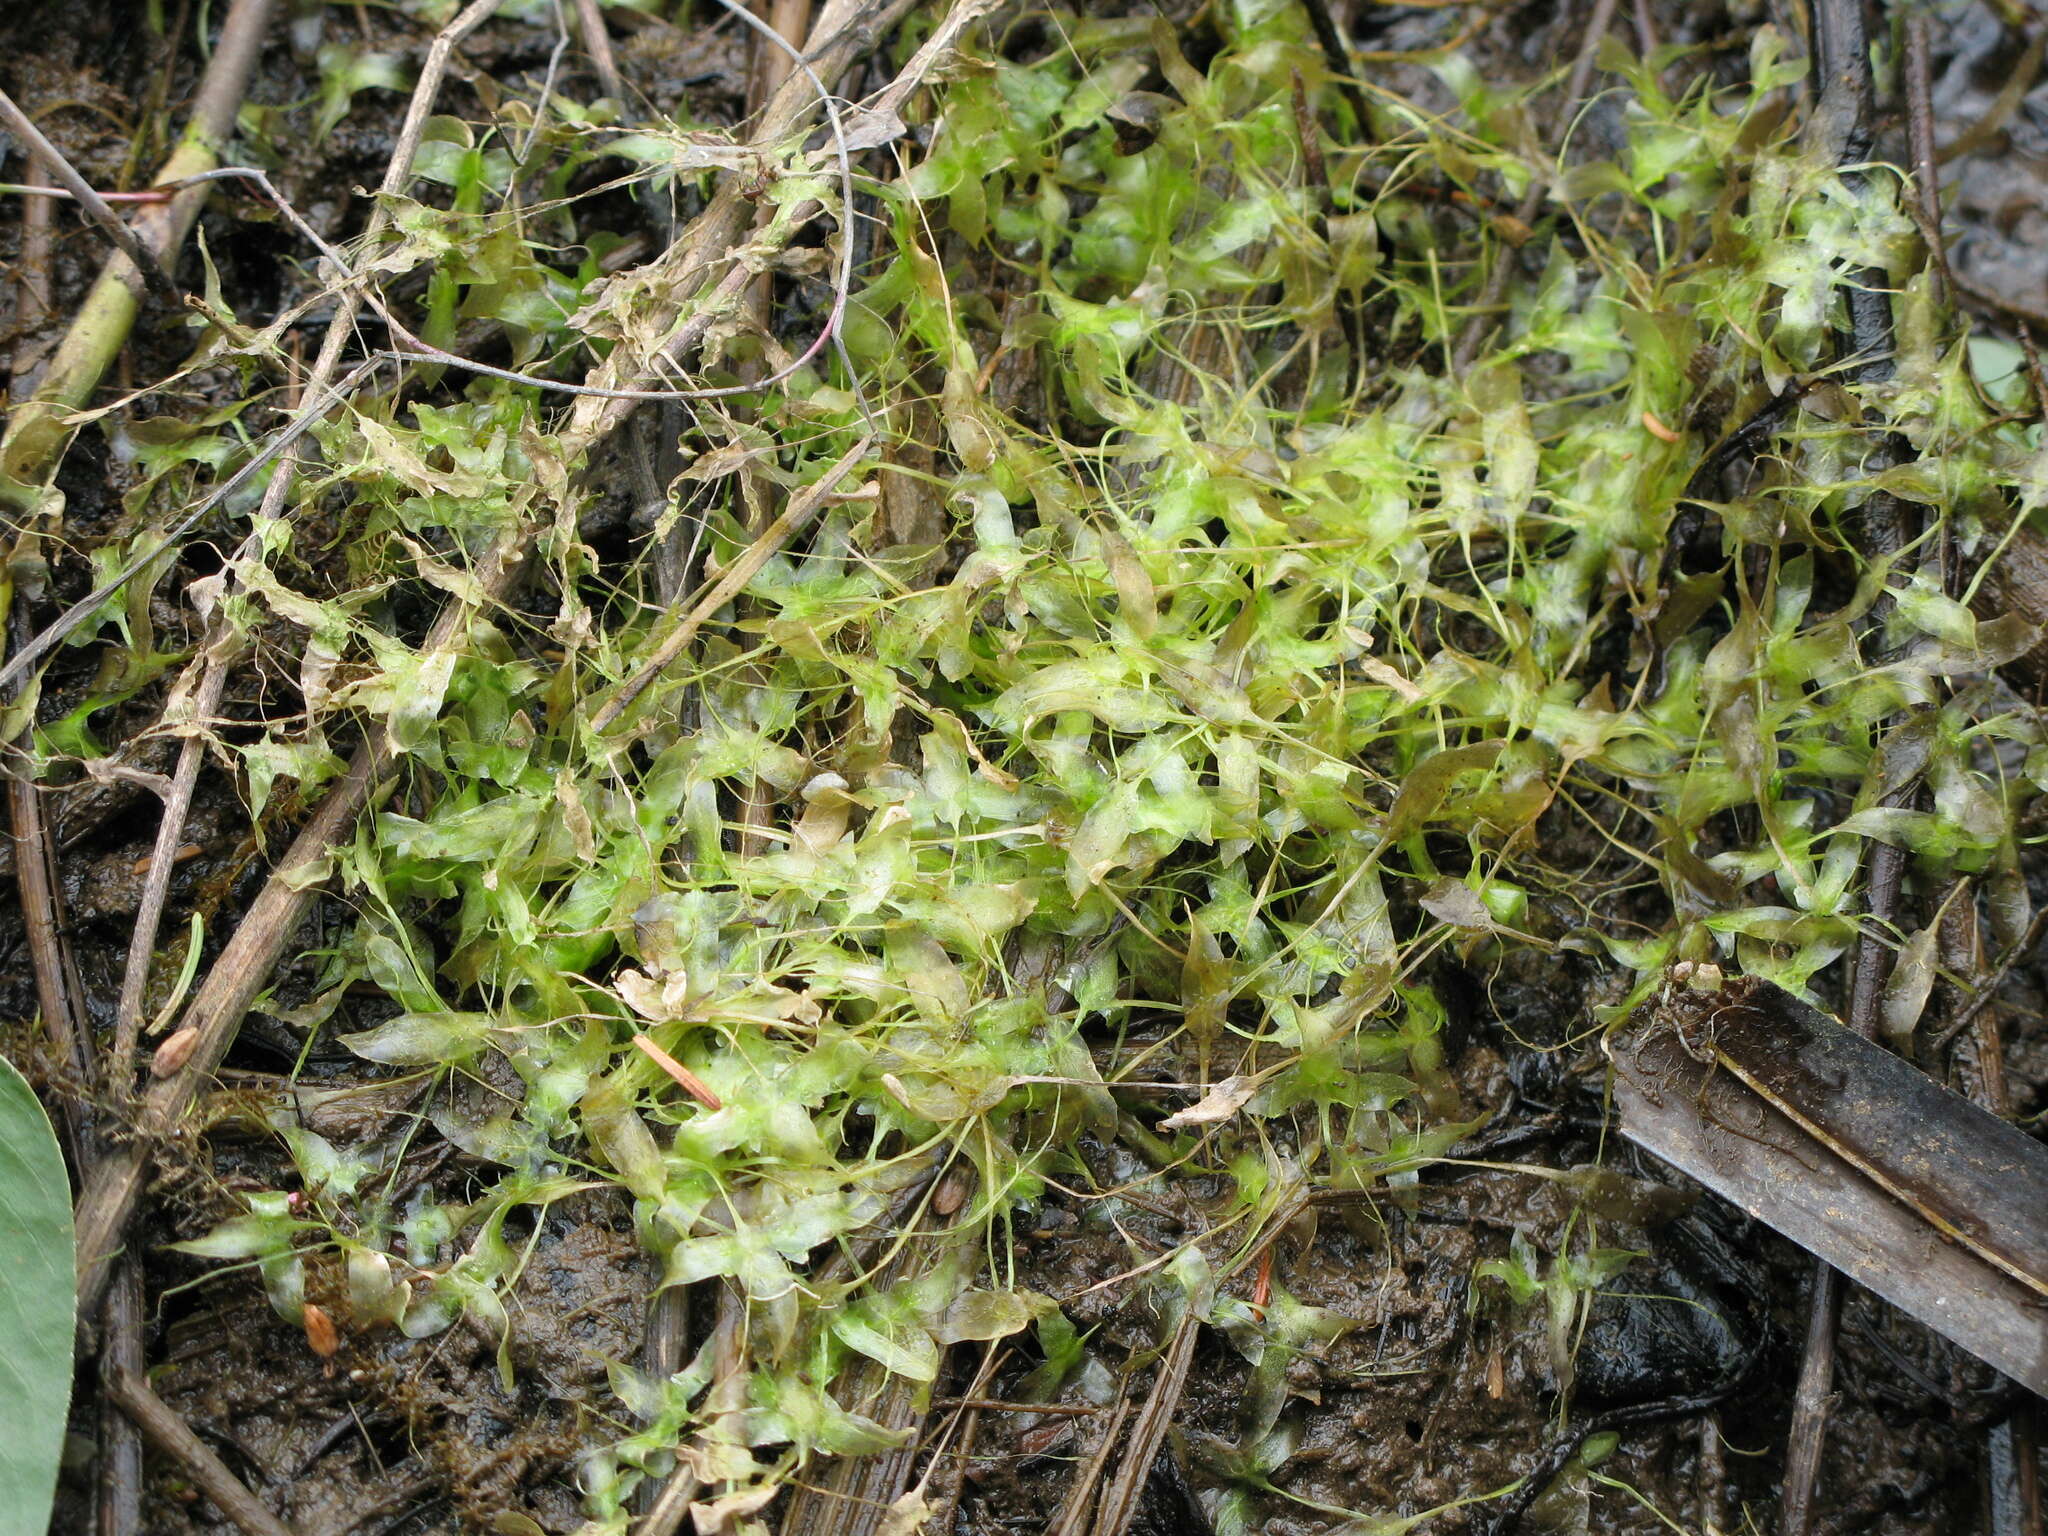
x=1425, y=1399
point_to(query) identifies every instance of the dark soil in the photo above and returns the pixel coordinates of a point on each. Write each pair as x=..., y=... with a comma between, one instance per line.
x=1437, y=1391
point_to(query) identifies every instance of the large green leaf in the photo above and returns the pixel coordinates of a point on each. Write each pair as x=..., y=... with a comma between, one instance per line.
x=37, y=1303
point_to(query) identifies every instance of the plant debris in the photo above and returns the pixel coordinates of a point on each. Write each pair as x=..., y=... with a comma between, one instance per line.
x=992, y=721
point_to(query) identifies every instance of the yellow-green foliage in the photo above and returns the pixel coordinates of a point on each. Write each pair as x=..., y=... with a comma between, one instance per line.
x=1264, y=656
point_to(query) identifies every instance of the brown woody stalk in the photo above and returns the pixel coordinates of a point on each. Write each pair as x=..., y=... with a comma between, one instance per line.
x=173, y=1436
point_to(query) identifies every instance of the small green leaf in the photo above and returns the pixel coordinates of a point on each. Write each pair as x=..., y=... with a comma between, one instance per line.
x=422, y=1039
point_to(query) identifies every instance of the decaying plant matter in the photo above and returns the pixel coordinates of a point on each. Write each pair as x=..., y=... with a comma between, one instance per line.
x=904, y=795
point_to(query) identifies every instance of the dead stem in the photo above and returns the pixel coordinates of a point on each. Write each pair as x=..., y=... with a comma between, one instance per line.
x=90, y=203
x=38, y=430
x=1963, y=954
x=1080, y=1502
x=121, y=1356
x=34, y=305
x=1148, y=1433
x=42, y=910
x=163, y=861
x=1920, y=134
x=174, y=1437
x=679, y=1491
x=597, y=42
x=1985, y=994
x=853, y=1495
x=953, y=1455
x=1812, y=1401
x=1840, y=130
x=662, y=1354
x=64, y=1013
x=997, y=1405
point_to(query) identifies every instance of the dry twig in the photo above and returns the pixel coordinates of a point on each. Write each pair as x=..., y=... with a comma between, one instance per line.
x=1840, y=129
x=38, y=430
x=42, y=914
x=794, y=519
x=1080, y=1502
x=33, y=301
x=57, y=995
x=120, y=1485
x=597, y=42
x=109, y=223
x=1920, y=134
x=671, y=1505
x=1148, y=1433
x=163, y=863
x=173, y=1436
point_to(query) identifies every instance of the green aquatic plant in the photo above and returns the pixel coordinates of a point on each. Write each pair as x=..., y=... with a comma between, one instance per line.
x=1190, y=666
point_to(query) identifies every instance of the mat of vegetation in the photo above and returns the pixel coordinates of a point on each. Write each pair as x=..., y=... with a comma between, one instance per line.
x=921, y=817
